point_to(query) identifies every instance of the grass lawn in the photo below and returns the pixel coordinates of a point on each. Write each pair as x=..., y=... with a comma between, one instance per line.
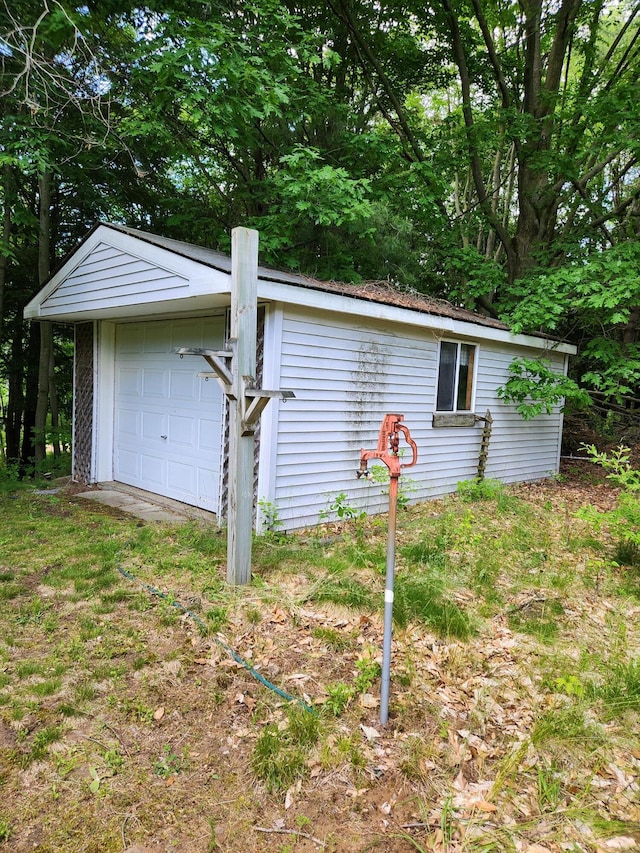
x=126, y=721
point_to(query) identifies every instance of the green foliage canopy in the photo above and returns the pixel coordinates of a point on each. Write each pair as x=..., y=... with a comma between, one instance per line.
x=478, y=152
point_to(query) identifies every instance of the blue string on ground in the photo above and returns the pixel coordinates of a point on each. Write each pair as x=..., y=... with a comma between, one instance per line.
x=251, y=670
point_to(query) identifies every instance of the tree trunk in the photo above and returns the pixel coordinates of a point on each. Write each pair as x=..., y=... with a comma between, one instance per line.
x=537, y=195
x=5, y=242
x=15, y=402
x=6, y=239
x=46, y=328
x=484, y=201
x=30, y=367
x=42, y=403
x=53, y=403
x=630, y=332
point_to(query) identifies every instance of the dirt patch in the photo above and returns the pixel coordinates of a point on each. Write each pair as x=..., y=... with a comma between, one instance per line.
x=7, y=736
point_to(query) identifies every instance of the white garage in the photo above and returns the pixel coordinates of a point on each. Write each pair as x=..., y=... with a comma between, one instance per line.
x=348, y=353
x=167, y=421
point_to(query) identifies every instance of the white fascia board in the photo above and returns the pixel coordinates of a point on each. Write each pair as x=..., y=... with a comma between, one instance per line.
x=171, y=308
x=335, y=302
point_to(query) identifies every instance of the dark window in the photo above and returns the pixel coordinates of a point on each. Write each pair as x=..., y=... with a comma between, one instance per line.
x=455, y=377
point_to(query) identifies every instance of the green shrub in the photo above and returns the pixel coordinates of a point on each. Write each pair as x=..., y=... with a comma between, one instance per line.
x=623, y=521
x=470, y=491
x=338, y=697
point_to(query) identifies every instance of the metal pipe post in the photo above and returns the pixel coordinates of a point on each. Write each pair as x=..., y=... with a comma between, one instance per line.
x=387, y=452
x=388, y=600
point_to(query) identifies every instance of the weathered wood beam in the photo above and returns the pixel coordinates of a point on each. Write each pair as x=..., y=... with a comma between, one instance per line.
x=244, y=325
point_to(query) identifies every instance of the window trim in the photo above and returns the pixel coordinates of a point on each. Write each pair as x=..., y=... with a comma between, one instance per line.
x=462, y=413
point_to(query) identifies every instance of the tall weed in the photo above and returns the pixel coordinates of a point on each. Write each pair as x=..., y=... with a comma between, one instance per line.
x=623, y=521
x=620, y=690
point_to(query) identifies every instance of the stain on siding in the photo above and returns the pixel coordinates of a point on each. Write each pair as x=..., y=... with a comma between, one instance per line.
x=367, y=393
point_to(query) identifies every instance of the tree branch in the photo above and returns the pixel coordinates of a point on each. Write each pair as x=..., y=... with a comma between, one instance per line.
x=364, y=50
x=493, y=56
x=564, y=22
x=371, y=58
x=617, y=211
x=476, y=168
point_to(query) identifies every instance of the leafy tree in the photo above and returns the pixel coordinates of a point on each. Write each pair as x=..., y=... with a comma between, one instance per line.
x=60, y=162
x=260, y=116
x=482, y=152
x=623, y=521
x=597, y=302
x=536, y=142
x=536, y=388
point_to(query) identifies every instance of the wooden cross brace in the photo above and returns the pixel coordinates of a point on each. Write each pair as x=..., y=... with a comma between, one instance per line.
x=214, y=360
x=252, y=400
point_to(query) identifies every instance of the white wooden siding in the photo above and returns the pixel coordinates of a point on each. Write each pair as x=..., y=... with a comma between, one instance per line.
x=346, y=378
x=520, y=450
x=109, y=276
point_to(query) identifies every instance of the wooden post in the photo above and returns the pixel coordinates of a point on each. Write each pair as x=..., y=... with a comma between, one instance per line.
x=246, y=402
x=484, y=444
x=244, y=324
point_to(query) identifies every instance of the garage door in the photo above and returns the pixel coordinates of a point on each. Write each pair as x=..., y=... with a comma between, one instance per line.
x=168, y=422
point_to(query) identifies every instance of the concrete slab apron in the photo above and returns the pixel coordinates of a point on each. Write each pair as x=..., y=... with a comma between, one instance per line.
x=142, y=505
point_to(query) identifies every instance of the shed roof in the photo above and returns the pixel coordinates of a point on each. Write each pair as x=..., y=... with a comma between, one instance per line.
x=120, y=273
x=372, y=291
